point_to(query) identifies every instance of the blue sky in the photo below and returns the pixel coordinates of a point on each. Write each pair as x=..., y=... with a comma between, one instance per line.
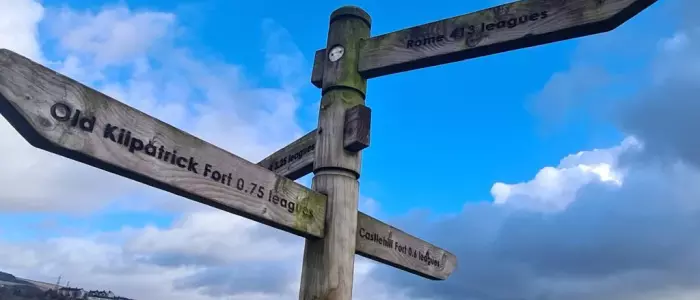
x=435, y=145
x=442, y=137
x=448, y=137
x=474, y=112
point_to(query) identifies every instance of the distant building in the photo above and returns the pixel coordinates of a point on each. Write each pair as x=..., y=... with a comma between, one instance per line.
x=72, y=292
x=99, y=295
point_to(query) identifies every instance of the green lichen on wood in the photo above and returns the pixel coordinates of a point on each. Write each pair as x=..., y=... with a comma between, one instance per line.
x=305, y=199
x=350, y=99
x=316, y=203
x=346, y=97
x=347, y=33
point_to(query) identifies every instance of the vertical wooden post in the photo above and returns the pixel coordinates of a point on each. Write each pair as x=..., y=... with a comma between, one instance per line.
x=327, y=271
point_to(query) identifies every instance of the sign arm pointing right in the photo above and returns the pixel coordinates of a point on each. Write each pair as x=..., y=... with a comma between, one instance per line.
x=502, y=28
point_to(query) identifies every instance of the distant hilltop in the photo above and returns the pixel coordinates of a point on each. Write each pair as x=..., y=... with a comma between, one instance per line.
x=14, y=288
x=7, y=279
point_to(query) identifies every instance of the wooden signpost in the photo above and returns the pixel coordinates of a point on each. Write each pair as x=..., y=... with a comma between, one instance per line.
x=506, y=27
x=62, y=116
x=382, y=242
x=375, y=239
x=295, y=160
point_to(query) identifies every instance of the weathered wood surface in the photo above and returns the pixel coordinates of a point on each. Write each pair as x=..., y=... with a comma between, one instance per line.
x=381, y=242
x=498, y=29
x=42, y=105
x=327, y=270
x=294, y=160
x=396, y=252
x=358, y=120
x=317, y=69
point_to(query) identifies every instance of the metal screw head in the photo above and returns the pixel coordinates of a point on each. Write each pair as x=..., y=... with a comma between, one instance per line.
x=336, y=53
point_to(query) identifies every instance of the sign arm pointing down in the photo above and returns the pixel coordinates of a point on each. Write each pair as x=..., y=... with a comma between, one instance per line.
x=375, y=239
x=62, y=116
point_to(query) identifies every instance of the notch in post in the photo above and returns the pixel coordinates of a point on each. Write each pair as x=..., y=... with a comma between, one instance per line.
x=357, y=128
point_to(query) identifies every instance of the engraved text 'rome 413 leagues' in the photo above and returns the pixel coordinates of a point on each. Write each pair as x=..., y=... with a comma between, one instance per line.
x=63, y=113
x=469, y=30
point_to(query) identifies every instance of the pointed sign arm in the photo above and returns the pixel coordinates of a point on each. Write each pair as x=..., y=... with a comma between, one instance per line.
x=375, y=239
x=57, y=114
x=294, y=160
x=384, y=243
x=502, y=28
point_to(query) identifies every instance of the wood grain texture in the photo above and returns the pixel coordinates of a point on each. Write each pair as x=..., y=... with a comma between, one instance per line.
x=566, y=19
x=327, y=270
x=502, y=28
x=35, y=100
x=394, y=253
x=357, y=128
x=295, y=160
x=335, y=104
x=328, y=265
x=317, y=69
x=384, y=243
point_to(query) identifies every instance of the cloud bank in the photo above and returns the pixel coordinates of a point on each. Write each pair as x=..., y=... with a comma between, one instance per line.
x=603, y=224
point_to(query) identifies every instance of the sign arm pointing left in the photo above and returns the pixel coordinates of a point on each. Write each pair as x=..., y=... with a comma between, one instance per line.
x=57, y=114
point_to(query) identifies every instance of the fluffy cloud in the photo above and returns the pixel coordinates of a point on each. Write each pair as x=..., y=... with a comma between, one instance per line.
x=617, y=223
x=205, y=254
x=207, y=98
x=632, y=238
x=151, y=263
x=113, y=36
x=555, y=188
x=666, y=113
x=19, y=27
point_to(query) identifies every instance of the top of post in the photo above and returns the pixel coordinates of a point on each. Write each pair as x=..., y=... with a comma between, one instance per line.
x=351, y=12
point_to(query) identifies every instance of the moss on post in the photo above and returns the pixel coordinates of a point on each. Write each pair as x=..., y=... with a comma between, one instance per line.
x=327, y=272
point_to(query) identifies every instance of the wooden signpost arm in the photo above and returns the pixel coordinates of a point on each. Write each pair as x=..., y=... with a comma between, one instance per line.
x=327, y=271
x=62, y=116
x=510, y=26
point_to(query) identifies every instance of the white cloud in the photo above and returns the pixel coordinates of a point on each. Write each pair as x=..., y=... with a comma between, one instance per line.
x=574, y=233
x=35, y=180
x=620, y=223
x=114, y=35
x=161, y=80
x=200, y=234
x=616, y=223
x=554, y=188
x=18, y=27
x=206, y=254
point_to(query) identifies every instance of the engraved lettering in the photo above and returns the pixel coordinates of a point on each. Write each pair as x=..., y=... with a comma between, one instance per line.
x=468, y=30
x=192, y=167
x=62, y=112
x=405, y=250
x=109, y=132
x=136, y=145
x=424, y=41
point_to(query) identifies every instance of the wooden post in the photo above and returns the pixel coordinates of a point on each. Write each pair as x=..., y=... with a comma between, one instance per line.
x=327, y=271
